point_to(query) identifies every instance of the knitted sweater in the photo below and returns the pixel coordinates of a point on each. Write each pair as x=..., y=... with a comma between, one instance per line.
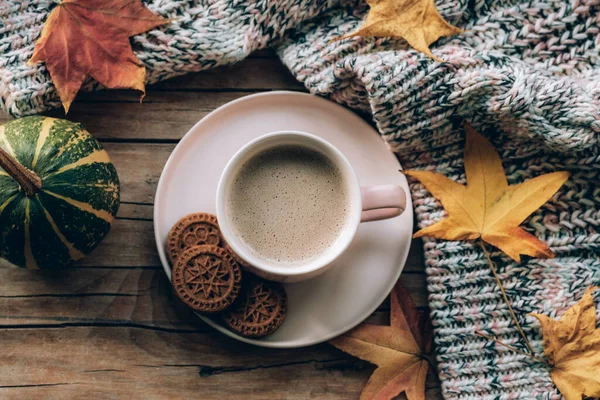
x=525, y=74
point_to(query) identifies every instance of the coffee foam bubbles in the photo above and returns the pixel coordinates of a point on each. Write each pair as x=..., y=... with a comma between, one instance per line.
x=288, y=204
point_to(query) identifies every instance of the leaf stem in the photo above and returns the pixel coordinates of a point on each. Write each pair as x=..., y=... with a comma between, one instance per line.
x=510, y=309
x=512, y=348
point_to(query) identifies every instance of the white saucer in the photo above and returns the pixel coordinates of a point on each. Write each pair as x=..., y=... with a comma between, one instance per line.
x=331, y=304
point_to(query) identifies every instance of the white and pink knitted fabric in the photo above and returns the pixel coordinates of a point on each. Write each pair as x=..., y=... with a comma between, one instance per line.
x=525, y=73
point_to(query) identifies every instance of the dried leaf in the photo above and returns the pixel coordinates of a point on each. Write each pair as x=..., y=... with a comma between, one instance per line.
x=572, y=346
x=416, y=21
x=487, y=207
x=91, y=37
x=398, y=350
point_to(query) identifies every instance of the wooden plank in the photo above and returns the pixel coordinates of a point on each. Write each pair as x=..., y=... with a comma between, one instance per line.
x=136, y=211
x=112, y=297
x=99, y=297
x=139, y=166
x=260, y=72
x=129, y=244
x=172, y=107
x=119, y=116
x=250, y=74
x=90, y=362
x=107, y=332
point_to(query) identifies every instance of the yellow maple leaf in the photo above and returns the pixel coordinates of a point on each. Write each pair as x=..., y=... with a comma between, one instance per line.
x=416, y=21
x=572, y=346
x=399, y=350
x=487, y=207
x=91, y=37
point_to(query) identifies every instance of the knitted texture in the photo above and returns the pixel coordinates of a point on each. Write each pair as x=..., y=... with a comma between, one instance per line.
x=203, y=34
x=525, y=74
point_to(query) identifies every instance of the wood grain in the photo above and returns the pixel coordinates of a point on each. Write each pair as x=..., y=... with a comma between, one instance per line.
x=172, y=107
x=162, y=117
x=101, y=362
x=110, y=296
x=252, y=74
x=109, y=327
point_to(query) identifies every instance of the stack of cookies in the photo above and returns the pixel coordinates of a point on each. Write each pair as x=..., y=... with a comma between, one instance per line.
x=211, y=279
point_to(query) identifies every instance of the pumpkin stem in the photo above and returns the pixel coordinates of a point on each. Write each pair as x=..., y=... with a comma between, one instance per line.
x=28, y=180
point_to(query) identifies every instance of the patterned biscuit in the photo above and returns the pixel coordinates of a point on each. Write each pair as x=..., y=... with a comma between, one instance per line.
x=206, y=278
x=260, y=309
x=193, y=230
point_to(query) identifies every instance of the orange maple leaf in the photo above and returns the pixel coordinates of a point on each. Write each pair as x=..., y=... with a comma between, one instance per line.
x=487, y=207
x=91, y=37
x=572, y=346
x=399, y=350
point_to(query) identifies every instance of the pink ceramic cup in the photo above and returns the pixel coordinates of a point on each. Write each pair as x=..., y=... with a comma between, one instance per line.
x=370, y=203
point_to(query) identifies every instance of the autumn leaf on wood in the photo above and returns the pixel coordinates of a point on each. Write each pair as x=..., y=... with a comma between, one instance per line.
x=487, y=207
x=416, y=21
x=399, y=351
x=91, y=37
x=572, y=346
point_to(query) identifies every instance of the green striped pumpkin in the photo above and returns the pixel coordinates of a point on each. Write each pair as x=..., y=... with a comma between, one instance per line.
x=59, y=192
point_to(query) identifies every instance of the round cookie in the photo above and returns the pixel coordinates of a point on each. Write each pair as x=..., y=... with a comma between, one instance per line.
x=259, y=311
x=193, y=230
x=206, y=278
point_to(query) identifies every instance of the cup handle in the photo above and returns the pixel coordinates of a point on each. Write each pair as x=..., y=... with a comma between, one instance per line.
x=382, y=202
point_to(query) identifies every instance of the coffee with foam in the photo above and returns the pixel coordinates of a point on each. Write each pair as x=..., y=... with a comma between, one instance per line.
x=288, y=204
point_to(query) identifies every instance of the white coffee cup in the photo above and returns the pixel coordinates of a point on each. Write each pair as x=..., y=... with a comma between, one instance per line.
x=365, y=204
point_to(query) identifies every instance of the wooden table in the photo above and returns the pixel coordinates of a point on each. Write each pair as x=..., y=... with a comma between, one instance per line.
x=109, y=327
